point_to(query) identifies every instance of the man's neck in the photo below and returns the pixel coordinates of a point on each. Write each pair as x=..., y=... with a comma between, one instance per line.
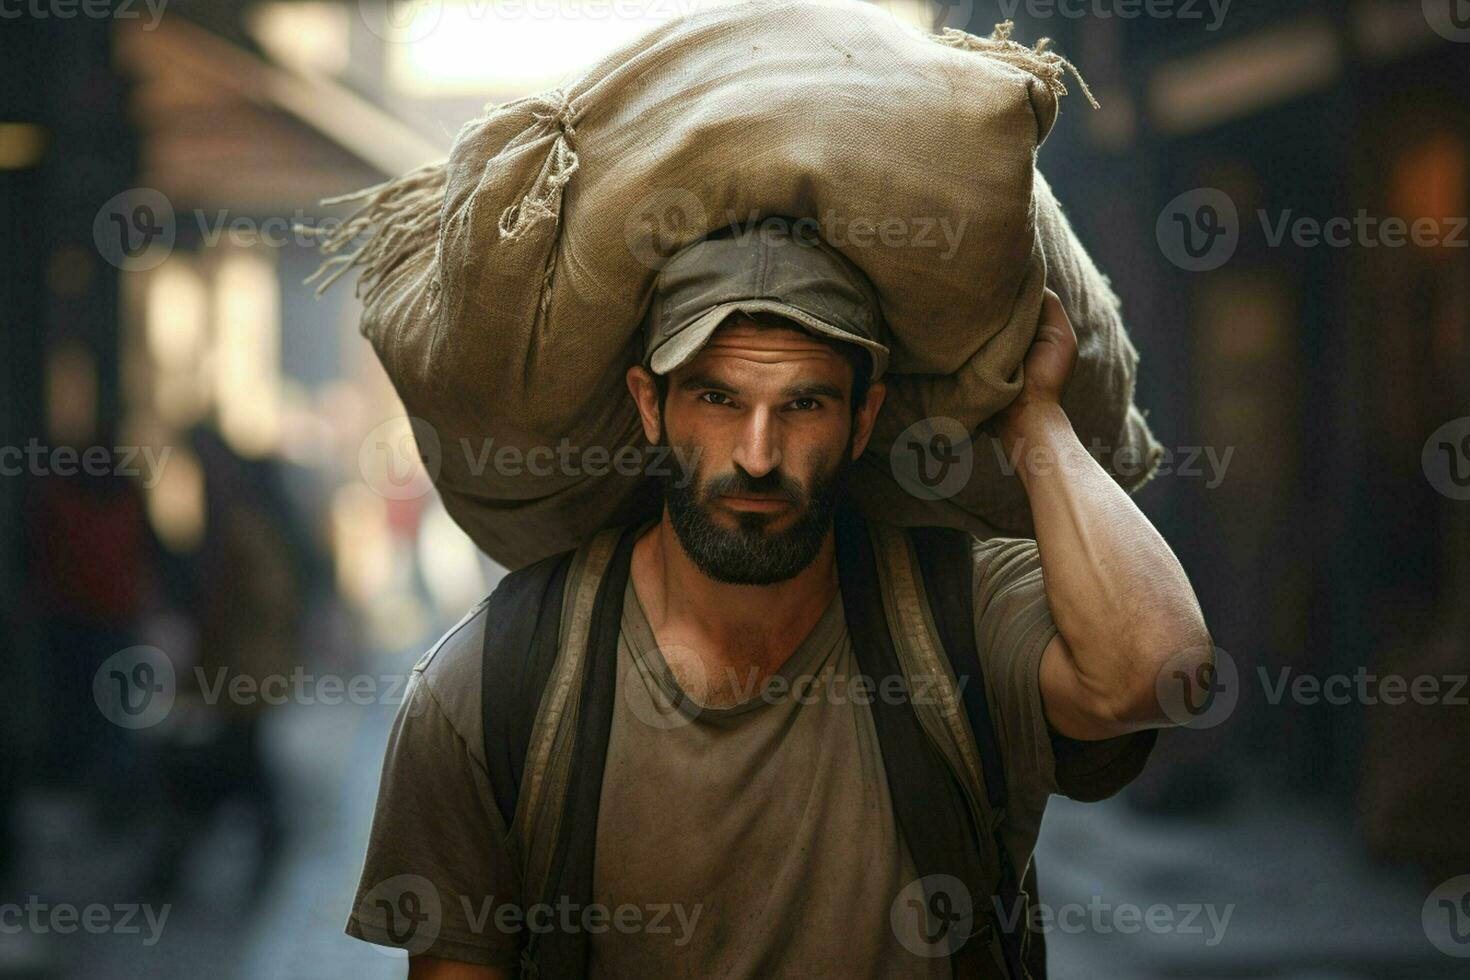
x=745, y=631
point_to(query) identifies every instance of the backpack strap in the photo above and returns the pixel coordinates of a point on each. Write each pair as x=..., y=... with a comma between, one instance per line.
x=947, y=565
x=532, y=691
x=929, y=804
x=522, y=632
x=562, y=953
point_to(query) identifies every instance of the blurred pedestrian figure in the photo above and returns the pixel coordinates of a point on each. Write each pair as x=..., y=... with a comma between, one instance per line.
x=248, y=581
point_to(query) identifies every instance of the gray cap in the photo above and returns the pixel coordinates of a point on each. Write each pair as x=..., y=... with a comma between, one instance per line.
x=774, y=266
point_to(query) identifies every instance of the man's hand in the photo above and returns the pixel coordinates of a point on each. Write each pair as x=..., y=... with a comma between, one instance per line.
x=1047, y=369
x=1122, y=604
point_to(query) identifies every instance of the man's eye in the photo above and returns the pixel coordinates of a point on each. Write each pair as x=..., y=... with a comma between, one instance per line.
x=715, y=398
x=806, y=404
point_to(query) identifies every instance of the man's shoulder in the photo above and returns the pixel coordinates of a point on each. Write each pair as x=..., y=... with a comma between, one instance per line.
x=450, y=670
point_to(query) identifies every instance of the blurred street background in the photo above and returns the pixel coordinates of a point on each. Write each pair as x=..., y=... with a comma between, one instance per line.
x=204, y=472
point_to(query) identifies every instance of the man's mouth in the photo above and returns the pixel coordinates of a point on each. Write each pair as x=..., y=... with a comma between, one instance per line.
x=754, y=503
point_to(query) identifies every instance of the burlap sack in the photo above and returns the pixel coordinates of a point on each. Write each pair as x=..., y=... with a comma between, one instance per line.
x=505, y=289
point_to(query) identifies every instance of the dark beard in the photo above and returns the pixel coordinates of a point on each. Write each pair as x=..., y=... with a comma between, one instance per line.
x=750, y=555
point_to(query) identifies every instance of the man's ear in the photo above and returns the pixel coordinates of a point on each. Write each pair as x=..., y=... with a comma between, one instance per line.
x=645, y=396
x=867, y=414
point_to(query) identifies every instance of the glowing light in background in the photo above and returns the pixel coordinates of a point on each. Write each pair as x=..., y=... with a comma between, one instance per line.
x=450, y=562
x=308, y=36
x=513, y=46
x=177, y=340
x=362, y=543
x=176, y=502
x=247, y=352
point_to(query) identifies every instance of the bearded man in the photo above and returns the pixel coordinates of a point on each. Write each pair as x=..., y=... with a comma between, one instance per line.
x=736, y=789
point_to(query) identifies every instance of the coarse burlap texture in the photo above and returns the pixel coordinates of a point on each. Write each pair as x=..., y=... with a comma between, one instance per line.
x=505, y=289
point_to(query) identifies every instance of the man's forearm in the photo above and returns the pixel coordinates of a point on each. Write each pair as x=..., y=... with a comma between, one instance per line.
x=1119, y=597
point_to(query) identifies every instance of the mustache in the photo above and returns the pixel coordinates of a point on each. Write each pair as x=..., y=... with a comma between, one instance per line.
x=773, y=484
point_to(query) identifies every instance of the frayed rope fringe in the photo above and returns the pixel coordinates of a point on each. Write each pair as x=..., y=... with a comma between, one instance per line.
x=402, y=215
x=398, y=216
x=1040, y=61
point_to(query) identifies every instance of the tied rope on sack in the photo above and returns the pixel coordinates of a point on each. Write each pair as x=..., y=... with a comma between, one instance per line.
x=543, y=200
x=1040, y=61
x=402, y=214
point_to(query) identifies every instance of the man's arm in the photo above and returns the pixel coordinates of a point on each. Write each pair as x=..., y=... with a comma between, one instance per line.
x=431, y=968
x=1122, y=604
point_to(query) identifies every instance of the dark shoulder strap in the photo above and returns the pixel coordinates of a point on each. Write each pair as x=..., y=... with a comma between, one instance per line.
x=947, y=564
x=560, y=953
x=522, y=643
x=928, y=803
x=522, y=629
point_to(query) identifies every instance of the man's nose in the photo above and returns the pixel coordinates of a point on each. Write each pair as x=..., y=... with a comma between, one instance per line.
x=758, y=450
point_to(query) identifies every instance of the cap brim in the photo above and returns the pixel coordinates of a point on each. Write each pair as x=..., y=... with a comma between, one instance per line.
x=679, y=349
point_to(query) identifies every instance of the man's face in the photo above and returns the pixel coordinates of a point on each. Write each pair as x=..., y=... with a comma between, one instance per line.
x=766, y=416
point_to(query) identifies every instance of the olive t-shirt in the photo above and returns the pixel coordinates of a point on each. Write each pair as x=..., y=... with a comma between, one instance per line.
x=757, y=840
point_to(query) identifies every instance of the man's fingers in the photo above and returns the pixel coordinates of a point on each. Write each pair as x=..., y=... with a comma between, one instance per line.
x=1054, y=314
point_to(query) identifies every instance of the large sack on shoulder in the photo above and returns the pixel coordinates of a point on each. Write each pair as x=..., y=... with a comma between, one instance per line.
x=505, y=289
